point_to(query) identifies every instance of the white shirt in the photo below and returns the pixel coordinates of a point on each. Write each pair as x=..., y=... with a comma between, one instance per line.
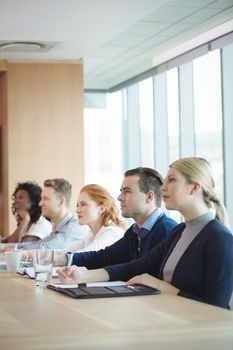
x=107, y=235
x=41, y=228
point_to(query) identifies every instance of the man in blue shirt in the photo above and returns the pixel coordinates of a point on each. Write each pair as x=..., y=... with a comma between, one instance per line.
x=55, y=205
x=140, y=199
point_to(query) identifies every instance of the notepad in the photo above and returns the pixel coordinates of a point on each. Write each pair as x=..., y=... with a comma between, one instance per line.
x=102, y=290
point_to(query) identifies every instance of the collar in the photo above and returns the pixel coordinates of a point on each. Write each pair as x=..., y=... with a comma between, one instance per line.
x=148, y=223
x=202, y=219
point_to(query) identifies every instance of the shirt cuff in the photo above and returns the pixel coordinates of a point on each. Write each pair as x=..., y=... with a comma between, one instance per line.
x=69, y=257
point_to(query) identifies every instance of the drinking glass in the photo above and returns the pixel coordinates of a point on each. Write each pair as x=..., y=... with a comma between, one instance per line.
x=43, y=266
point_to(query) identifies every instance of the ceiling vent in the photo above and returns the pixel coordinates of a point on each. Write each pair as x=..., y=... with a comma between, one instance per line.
x=25, y=46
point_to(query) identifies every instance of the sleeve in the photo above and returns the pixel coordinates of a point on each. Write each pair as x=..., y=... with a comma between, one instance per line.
x=105, y=239
x=75, y=232
x=149, y=264
x=113, y=254
x=77, y=246
x=37, y=244
x=218, y=270
x=41, y=228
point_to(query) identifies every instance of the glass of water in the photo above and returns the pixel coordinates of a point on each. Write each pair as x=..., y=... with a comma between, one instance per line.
x=43, y=266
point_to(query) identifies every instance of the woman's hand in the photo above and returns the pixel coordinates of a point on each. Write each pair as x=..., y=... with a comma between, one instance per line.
x=154, y=282
x=22, y=216
x=71, y=274
x=23, y=224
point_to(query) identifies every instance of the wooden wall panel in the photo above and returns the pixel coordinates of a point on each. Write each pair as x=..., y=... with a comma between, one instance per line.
x=45, y=124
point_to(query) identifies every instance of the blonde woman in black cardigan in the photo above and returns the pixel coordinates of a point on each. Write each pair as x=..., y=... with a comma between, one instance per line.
x=196, y=260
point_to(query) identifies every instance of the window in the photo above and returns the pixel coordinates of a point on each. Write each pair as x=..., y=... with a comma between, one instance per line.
x=208, y=112
x=173, y=114
x=103, y=144
x=146, y=122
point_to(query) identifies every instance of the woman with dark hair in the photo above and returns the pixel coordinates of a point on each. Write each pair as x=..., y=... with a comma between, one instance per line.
x=31, y=225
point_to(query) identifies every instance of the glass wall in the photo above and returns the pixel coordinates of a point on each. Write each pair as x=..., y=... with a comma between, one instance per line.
x=179, y=112
x=146, y=122
x=103, y=141
x=208, y=112
x=173, y=114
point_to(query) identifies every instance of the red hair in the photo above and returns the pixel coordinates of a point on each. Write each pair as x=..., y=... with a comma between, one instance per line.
x=102, y=197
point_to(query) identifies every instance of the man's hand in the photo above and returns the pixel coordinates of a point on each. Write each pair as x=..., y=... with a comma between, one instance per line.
x=75, y=274
x=59, y=259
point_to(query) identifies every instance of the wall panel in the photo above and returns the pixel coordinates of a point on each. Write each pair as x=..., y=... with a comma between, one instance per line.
x=45, y=123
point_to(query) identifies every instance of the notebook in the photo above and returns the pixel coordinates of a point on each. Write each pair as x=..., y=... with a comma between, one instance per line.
x=102, y=290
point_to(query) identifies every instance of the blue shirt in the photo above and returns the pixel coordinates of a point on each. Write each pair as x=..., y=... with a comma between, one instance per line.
x=68, y=231
x=147, y=224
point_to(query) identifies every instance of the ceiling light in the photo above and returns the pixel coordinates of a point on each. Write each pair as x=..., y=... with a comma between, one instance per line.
x=23, y=46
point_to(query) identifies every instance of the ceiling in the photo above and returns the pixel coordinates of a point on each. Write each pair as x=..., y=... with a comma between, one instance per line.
x=117, y=39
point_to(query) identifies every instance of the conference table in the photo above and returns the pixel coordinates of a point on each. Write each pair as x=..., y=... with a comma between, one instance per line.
x=38, y=318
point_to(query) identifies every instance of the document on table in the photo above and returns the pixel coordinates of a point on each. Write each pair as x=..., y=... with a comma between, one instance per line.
x=29, y=271
x=90, y=284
